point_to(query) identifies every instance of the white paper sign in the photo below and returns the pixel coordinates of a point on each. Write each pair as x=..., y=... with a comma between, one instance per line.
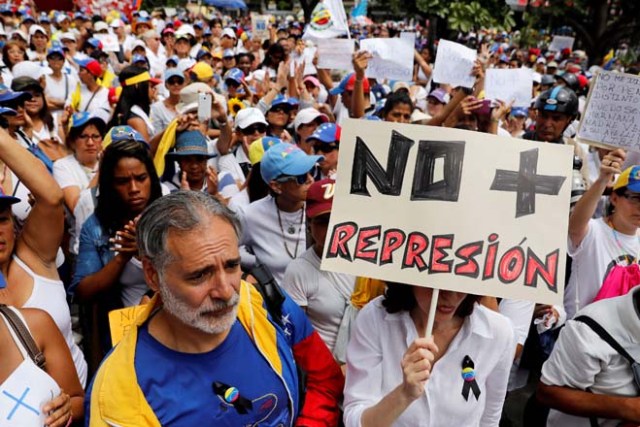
x=509, y=84
x=612, y=114
x=260, y=25
x=561, y=42
x=454, y=63
x=392, y=58
x=335, y=54
x=306, y=58
x=451, y=209
x=109, y=42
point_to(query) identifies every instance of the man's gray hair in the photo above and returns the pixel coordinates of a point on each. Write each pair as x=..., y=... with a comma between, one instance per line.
x=183, y=211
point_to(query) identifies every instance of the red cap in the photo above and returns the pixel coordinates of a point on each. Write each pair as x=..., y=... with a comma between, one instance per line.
x=352, y=82
x=583, y=81
x=91, y=65
x=320, y=197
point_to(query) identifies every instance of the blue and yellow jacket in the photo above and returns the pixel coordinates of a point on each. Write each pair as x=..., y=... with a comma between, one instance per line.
x=117, y=399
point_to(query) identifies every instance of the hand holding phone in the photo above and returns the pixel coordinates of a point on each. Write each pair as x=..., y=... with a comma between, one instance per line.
x=204, y=107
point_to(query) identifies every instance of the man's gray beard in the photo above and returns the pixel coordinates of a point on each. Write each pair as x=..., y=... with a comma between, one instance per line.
x=197, y=318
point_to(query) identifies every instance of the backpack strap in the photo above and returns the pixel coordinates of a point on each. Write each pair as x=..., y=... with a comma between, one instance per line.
x=606, y=336
x=24, y=336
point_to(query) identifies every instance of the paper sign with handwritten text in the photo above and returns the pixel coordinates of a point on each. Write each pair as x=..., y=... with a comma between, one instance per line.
x=454, y=63
x=509, y=85
x=335, y=54
x=392, y=58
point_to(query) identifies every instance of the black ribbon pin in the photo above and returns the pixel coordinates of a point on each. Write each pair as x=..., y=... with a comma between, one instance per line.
x=469, y=376
x=231, y=395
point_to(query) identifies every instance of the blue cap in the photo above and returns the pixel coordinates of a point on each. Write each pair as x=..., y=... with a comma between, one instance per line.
x=84, y=117
x=202, y=53
x=28, y=17
x=173, y=59
x=228, y=53
x=504, y=58
x=373, y=118
x=286, y=160
x=126, y=133
x=327, y=133
x=10, y=96
x=281, y=100
x=7, y=111
x=4, y=198
x=94, y=42
x=519, y=111
x=56, y=50
x=207, y=32
x=138, y=58
x=198, y=24
x=80, y=15
x=235, y=74
x=190, y=143
x=342, y=86
x=173, y=72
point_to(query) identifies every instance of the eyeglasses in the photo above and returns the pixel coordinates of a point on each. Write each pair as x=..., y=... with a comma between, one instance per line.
x=251, y=130
x=325, y=148
x=300, y=179
x=632, y=197
x=95, y=137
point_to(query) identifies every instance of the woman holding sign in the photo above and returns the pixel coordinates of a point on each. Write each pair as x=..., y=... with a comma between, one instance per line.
x=397, y=376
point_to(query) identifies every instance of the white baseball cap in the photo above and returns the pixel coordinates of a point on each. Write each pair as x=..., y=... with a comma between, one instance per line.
x=30, y=69
x=229, y=33
x=100, y=26
x=249, y=116
x=307, y=115
x=116, y=23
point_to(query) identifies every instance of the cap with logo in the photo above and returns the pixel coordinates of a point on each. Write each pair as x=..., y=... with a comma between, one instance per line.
x=629, y=178
x=286, y=159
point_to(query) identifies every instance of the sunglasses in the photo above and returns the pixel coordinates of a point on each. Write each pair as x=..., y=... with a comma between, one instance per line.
x=300, y=179
x=325, y=148
x=172, y=82
x=280, y=109
x=253, y=129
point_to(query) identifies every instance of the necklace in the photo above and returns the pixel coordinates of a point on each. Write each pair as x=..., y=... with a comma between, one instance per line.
x=291, y=230
x=615, y=236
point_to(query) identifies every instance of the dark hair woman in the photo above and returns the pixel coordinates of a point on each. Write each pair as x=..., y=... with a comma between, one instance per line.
x=397, y=376
x=106, y=266
x=134, y=104
x=397, y=108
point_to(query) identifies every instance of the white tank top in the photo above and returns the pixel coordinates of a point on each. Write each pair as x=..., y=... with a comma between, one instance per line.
x=26, y=391
x=49, y=295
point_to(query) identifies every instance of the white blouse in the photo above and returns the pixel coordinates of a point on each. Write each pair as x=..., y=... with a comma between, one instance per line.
x=378, y=342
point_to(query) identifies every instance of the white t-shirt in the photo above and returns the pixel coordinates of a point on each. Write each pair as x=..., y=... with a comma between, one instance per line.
x=60, y=89
x=68, y=172
x=374, y=357
x=161, y=116
x=599, y=251
x=581, y=359
x=264, y=238
x=325, y=294
x=97, y=103
x=133, y=284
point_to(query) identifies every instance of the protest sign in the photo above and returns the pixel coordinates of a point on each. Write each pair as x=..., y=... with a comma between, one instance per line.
x=23, y=395
x=335, y=54
x=307, y=58
x=612, y=114
x=260, y=25
x=454, y=63
x=509, y=84
x=392, y=59
x=451, y=209
x=561, y=42
x=109, y=42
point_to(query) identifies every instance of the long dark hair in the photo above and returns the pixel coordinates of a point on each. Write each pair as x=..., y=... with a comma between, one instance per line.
x=137, y=94
x=5, y=53
x=268, y=57
x=399, y=297
x=110, y=208
x=21, y=84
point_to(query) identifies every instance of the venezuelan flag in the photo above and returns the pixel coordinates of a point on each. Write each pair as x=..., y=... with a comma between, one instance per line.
x=135, y=5
x=608, y=60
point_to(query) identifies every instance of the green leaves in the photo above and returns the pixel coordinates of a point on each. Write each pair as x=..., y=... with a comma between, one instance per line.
x=466, y=16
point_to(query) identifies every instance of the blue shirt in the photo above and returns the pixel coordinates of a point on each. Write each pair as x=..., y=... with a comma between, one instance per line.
x=180, y=386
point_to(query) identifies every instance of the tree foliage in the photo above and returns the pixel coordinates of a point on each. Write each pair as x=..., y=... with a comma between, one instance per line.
x=469, y=15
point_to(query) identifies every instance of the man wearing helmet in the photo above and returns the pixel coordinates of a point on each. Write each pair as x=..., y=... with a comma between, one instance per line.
x=556, y=108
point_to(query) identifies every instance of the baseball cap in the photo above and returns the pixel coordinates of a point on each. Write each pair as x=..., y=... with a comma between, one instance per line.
x=173, y=72
x=190, y=143
x=173, y=59
x=308, y=115
x=234, y=74
x=55, y=51
x=629, y=178
x=202, y=70
x=6, y=199
x=67, y=36
x=313, y=80
x=185, y=30
x=189, y=96
x=440, y=95
x=519, y=111
x=327, y=133
x=202, y=53
x=21, y=34
x=30, y=69
x=62, y=17
x=9, y=112
x=552, y=64
x=281, y=100
x=286, y=159
x=84, y=117
x=348, y=84
x=116, y=23
x=100, y=26
x=125, y=133
x=91, y=65
x=138, y=58
x=228, y=53
x=260, y=146
x=228, y=32
x=319, y=200
x=249, y=116
x=97, y=44
x=8, y=97
x=25, y=83
x=138, y=43
x=400, y=85
x=35, y=29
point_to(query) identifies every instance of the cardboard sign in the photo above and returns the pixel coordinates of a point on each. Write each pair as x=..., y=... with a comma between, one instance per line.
x=612, y=114
x=509, y=84
x=392, y=58
x=121, y=320
x=561, y=42
x=454, y=63
x=109, y=42
x=451, y=209
x=260, y=25
x=335, y=54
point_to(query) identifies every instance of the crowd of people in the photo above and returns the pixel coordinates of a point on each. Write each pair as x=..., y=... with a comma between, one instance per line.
x=183, y=178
